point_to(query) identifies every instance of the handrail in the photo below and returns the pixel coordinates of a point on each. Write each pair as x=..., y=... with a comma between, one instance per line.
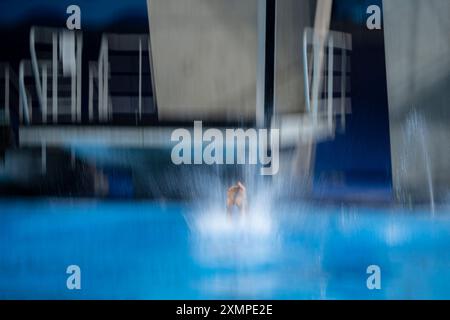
x=330, y=81
x=306, y=71
x=314, y=100
x=54, y=78
x=126, y=42
x=51, y=36
x=343, y=85
x=334, y=40
x=103, y=75
x=140, y=79
x=35, y=68
x=23, y=92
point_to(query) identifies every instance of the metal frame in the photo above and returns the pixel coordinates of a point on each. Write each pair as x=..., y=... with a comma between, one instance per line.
x=40, y=68
x=334, y=40
x=102, y=71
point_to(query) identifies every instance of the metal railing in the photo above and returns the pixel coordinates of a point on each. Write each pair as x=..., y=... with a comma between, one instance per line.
x=66, y=49
x=333, y=40
x=56, y=57
x=133, y=45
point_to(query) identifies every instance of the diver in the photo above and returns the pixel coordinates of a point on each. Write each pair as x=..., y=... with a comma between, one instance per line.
x=237, y=196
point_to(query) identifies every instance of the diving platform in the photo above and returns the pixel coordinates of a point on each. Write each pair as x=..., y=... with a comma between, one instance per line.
x=126, y=137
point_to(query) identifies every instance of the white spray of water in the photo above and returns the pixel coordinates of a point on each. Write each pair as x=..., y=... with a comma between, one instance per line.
x=236, y=241
x=216, y=223
x=416, y=132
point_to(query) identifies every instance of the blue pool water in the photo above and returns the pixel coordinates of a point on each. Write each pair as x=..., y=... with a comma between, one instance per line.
x=145, y=250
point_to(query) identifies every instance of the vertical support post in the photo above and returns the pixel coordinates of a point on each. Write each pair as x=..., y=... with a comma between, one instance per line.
x=140, y=79
x=91, y=93
x=44, y=93
x=321, y=27
x=152, y=74
x=73, y=96
x=103, y=72
x=7, y=113
x=106, y=82
x=330, y=82
x=35, y=67
x=21, y=94
x=261, y=65
x=306, y=71
x=79, y=46
x=316, y=77
x=343, y=85
x=269, y=77
x=23, y=99
x=55, y=77
x=100, y=85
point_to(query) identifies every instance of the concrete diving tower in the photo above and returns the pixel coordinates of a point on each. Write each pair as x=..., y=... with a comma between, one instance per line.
x=209, y=63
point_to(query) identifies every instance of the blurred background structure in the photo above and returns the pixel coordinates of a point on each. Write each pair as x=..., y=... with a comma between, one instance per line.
x=97, y=106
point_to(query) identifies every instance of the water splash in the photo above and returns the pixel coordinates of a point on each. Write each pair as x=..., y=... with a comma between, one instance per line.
x=238, y=241
x=416, y=137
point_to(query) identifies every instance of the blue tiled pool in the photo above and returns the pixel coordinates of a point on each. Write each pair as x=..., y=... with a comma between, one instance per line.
x=143, y=250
